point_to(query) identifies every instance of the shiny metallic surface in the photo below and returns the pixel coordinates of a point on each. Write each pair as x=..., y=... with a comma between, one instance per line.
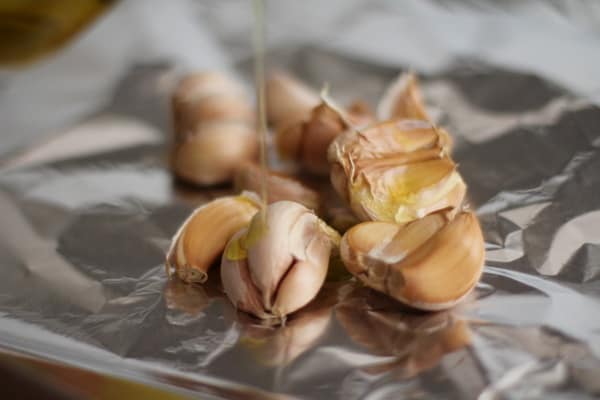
x=83, y=238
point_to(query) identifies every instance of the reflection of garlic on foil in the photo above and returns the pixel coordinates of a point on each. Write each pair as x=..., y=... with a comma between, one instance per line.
x=214, y=128
x=416, y=341
x=204, y=234
x=189, y=299
x=281, y=345
x=430, y=264
x=279, y=262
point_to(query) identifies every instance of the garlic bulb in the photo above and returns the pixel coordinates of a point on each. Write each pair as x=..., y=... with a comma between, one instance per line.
x=430, y=264
x=204, y=234
x=279, y=186
x=396, y=171
x=213, y=123
x=278, y=264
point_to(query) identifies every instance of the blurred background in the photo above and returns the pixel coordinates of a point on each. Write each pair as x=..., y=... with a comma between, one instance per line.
x=64, y=63
x=48, y=83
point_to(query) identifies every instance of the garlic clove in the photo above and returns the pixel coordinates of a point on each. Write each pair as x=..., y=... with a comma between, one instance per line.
x=429, y=264
x=237, y=282
x=213, y=123
x=204, y=234
x=199, y=85
x=307, y=141
x=386, y=139
x=279, y=186
x=286, y=259
x=219, y=107
x=395, y=171
x=402, y=99
x=406, y=192
x=270, y=257
x=288, y=141
x=356, y=246
x=288, y=100
x=303, y=274
x=212, y=153
x=318, y=133
x=445, y=269
x=208, y=96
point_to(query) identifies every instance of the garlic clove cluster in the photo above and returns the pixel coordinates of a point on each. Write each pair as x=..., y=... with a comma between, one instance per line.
x=277, y=264
x=203, y=235
x=213, y=122
x=430, y=264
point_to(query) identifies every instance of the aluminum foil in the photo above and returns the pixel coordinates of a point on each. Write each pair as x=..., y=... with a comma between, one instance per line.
x=83, y=237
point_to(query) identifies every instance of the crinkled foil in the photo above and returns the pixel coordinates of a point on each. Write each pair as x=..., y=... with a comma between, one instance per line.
x=82, y=244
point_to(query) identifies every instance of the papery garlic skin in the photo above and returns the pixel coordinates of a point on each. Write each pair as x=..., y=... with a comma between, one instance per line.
x=429, y=264
x=396, y=171
x=213, y=124
x=203, y=235
x=275, y=269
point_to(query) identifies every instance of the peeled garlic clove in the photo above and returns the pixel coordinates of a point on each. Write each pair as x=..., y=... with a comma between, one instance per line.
x=279, y=186
x=211, y=155
x=204, y=234
x=406, y=192
x=402, y=99
x=429, y=264
x=288, y=100
x=275, y=269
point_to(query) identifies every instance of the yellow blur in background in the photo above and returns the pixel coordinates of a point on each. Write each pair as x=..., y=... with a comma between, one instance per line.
x=30, y=29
